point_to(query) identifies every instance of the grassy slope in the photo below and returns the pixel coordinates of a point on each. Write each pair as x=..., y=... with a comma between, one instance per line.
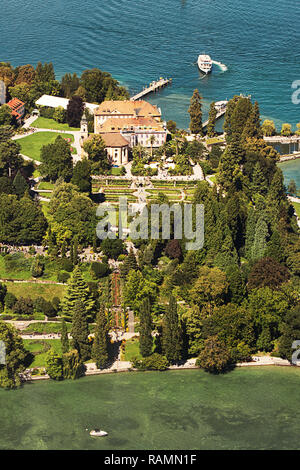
x=44, y=123
x=20, y=273
x=31, y=145
x=25, y=289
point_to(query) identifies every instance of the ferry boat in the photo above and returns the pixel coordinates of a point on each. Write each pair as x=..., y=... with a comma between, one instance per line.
x=98, y=433
x=204, y=63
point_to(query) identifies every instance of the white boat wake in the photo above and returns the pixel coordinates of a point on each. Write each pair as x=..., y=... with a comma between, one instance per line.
x=223, y=67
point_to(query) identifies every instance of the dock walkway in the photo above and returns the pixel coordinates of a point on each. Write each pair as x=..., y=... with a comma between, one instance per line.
x=218, y=116
x=153, y=87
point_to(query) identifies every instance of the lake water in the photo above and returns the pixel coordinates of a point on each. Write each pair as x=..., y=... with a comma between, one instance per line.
x=141, y=41
x=253, y=408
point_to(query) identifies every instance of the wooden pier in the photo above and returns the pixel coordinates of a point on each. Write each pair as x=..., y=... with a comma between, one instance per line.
x=153, y=87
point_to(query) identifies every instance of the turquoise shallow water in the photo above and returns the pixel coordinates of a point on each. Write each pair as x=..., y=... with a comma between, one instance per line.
x=253, y=408
x=291, y=171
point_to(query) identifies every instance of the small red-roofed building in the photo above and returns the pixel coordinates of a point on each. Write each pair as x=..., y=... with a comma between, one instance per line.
x=17, y=109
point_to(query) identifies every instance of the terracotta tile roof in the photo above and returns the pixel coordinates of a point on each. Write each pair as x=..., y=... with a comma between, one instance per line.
x=114, y=140
x=134, y=108
x=118, y=125
x=15, y=104
x=18, y=115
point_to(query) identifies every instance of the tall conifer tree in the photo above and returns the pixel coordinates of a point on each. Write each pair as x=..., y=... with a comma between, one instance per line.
x=80, y=331
x=77, y=290
x=64, y=337
x=146, y=340
x=212, y=117
x=20, y=185
x=195, y=111
x=171, y=337
x=101, y=340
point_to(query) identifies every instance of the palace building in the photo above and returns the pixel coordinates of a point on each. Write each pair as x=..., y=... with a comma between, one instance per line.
x=125, y=124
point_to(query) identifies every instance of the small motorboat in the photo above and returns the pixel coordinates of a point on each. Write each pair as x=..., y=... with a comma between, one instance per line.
x=98, y=433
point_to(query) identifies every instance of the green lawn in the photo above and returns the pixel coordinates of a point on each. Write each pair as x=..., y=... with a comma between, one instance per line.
x=116, y=171
x=47, y=195
x=39, y=349
x=215, y=140
x=36, y=173
x=31, y=145
x=297, y=208
x=132, y=350
x=45, y=208
x=33, y=290
x=44, y=123
x=45, y=328
x=15, y=267
x=46, y=185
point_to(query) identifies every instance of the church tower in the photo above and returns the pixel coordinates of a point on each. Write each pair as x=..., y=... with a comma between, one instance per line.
x=84, y=131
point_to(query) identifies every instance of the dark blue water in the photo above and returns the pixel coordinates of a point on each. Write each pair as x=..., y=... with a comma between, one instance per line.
x=138, y=41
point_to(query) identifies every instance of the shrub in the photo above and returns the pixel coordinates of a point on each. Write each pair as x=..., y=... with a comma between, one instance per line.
x=154, y=362
x=207, y=168
x=66, y=265
x=10, y=300
x=43, y=306
x=99, y=270
x=56, y=303
x=214, y=357
x=37, y=267
x=59, y=114
x=73, y=368
x=63, y=276
x=23, y=306
x=112, y=248
x=54, y=365
x=47, y=112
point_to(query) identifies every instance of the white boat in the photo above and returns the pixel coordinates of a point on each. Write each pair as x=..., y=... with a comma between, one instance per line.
x=221, y=105
x=98, y=433
x=204, y=63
